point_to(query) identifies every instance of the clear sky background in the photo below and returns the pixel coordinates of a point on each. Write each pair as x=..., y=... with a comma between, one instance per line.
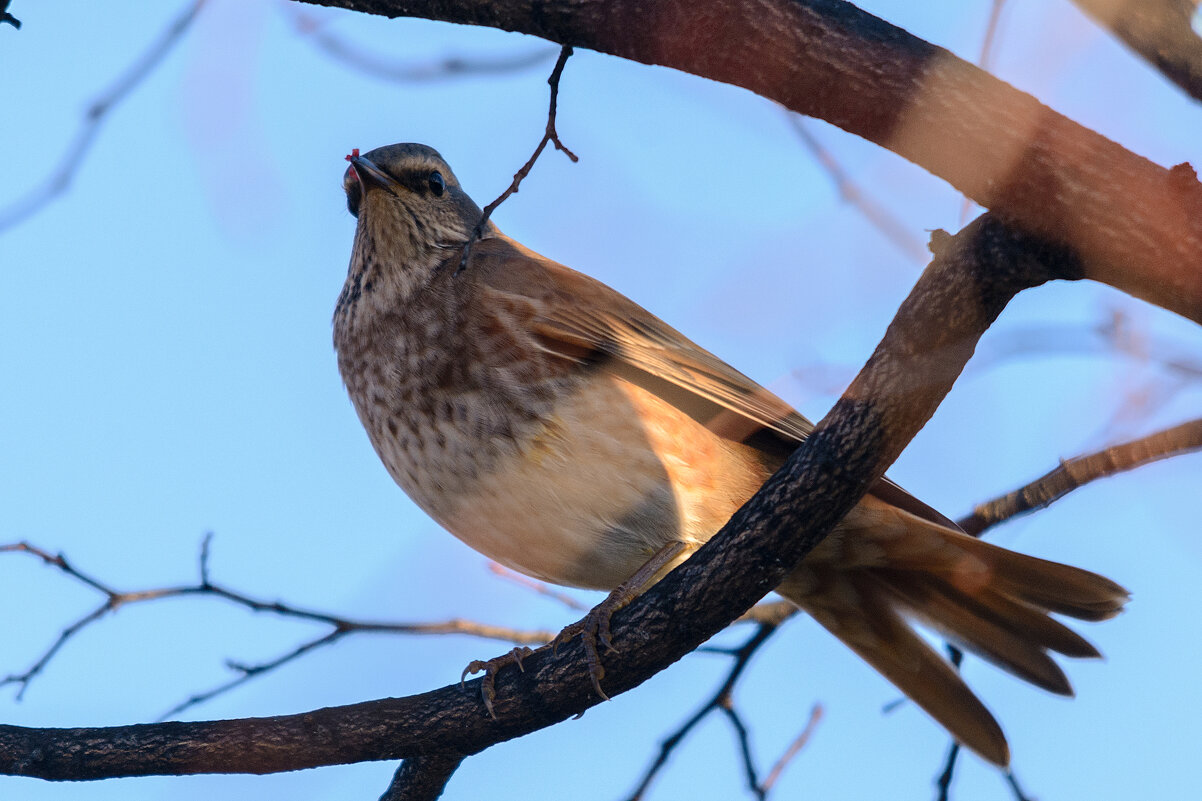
x=166, y=371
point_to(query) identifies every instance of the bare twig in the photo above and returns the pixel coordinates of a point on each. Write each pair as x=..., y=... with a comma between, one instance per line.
x=795, y=748
x=893, y=229
x=1077, y=472
x=6, y=17
x=943, y=785
x=339, y=627
x=721, y=701
x=537, y=586
x=550, y=135
x=60, y=179
x=448, y=67
x=1019, y=795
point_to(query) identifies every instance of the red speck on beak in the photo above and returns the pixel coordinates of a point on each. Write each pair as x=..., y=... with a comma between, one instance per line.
x=354, y=154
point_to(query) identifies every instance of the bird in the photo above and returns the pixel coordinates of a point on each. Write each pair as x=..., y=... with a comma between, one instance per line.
x=565, y=432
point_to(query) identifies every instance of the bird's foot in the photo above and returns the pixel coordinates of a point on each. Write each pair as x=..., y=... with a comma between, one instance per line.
x=593, y=629
x=490, y=668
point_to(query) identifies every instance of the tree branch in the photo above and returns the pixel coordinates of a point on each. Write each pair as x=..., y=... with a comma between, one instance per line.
x=1075, y=473
x=338, y=627
x=1132, y=224
x=971, y=279
x=422, y=778
x=1158, y=30
x=60, y=180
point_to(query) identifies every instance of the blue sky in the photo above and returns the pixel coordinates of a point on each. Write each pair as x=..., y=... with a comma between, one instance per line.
x=166, y=371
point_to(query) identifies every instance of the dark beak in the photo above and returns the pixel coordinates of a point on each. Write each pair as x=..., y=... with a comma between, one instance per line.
x=370, y=173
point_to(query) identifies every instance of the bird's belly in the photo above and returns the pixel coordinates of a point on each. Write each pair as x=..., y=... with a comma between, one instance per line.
x=591, y=493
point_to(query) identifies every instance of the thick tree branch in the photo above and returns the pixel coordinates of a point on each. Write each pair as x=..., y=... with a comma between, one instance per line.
x=970, y=281
x=422, y=778
x=1159, y=31
x=1134, y=225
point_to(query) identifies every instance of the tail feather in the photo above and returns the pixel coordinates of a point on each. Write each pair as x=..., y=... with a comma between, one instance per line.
x=904, y=658
x=973, y=626
x=1038, y=582
x=996, y=603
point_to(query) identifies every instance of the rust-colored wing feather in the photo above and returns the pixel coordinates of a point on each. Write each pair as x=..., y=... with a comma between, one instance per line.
x=578, y=318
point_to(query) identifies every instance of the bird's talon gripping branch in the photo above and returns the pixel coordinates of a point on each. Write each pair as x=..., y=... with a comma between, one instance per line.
x=490, y=668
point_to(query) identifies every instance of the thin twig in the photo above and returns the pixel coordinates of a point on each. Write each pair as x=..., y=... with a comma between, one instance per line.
x=339, y=627
x=537, y=586
x=448, y=67
x=721, y=701
x=1075, y=473
x=893, y=229
x=60, y=179
x=550, y=135
x=943, y=785
x=795, y=748
x=743, y=737
x=1019, y=795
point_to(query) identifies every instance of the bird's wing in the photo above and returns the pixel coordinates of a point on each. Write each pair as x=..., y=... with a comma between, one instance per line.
x=578, y=318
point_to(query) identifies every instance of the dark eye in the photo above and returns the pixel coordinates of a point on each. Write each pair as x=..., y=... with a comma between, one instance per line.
x=437, y=184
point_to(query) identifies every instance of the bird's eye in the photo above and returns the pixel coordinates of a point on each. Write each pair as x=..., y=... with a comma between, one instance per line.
x=437, y=184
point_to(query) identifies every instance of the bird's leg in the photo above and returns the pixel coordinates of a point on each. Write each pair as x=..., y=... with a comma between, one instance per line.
x=594, y=627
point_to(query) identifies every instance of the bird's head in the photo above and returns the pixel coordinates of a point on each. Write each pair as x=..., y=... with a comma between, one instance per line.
x=408, y=203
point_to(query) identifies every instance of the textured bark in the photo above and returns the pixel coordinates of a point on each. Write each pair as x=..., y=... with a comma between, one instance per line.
x=1135, y=226
x=934, y=333
x=422, y=778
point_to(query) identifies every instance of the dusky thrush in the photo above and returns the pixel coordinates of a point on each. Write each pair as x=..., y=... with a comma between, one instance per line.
x=564, y=431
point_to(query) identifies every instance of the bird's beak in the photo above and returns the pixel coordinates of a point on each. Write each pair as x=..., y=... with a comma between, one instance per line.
x=367, y=172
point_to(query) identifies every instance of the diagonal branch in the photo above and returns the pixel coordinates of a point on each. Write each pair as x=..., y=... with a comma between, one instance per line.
x=1132, y=224
x=60, y=180
x=970, y=281
x=1160, y=31
x=1075, y=473
x=422, y=778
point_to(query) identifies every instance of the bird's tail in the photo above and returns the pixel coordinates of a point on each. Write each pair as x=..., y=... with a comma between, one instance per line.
x=887, y=569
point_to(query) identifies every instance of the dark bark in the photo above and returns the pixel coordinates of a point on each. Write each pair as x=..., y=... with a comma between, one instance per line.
x=967, y=285
x=422, y=778
x=1136, y=226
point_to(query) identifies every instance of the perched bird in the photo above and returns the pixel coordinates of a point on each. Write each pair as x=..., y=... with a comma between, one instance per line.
x=562, y=430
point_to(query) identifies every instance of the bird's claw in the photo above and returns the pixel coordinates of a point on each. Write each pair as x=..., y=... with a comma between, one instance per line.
x=489, y=668
x=592, y=629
